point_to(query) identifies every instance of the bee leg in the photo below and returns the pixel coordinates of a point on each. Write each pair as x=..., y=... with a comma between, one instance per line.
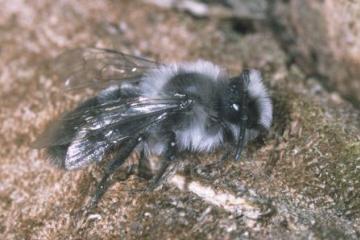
x=144, y=169
x=224, y=158
x=169, y=164
x=245, y=79
x=117, y=161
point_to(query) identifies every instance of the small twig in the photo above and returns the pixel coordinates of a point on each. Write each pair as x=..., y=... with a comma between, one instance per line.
x=246, y=207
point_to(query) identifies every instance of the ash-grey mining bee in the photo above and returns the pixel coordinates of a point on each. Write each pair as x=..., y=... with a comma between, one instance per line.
x=154, y=109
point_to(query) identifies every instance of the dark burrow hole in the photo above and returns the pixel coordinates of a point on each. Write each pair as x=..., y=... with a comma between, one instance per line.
x=244, y=26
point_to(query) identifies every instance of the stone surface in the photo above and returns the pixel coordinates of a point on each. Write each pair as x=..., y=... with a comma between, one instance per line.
x=240, y=9
x=306, y=169
x=324, y=38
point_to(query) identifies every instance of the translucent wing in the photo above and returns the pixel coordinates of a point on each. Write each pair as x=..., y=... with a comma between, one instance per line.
x=98, y=68
x=90, y=131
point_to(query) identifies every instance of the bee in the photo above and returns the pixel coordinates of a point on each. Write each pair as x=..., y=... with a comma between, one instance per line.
x=154, y=109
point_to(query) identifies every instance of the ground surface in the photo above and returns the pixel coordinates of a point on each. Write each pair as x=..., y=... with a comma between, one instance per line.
x=307, y=170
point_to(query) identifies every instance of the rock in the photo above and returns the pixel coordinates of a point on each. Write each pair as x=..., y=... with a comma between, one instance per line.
x=306, y=170
x=194, y=7
x=240, y=9
x=324, y=38
x=248, y=9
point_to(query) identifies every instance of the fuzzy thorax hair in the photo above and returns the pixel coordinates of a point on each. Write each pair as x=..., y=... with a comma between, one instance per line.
x=198, y=132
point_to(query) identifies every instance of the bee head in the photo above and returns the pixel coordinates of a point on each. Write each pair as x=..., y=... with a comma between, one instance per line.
x=245, y=98
x=246, y=104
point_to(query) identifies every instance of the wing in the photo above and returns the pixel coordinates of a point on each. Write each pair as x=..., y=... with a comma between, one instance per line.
x=98, y=68
x=93, y=129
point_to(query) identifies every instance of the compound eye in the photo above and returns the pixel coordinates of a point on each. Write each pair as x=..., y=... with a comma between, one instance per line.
x=235, y=107
x=233, y=112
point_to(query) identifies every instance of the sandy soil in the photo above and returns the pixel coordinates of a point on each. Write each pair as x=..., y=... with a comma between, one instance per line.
x=306, y=169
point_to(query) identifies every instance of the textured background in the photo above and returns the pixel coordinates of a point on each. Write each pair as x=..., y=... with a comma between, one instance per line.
x=308, y=167
x=323, y=38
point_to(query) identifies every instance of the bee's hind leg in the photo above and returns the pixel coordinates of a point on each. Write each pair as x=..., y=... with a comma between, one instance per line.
x=169, y=164
x=144, y=168
x=117, y=161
